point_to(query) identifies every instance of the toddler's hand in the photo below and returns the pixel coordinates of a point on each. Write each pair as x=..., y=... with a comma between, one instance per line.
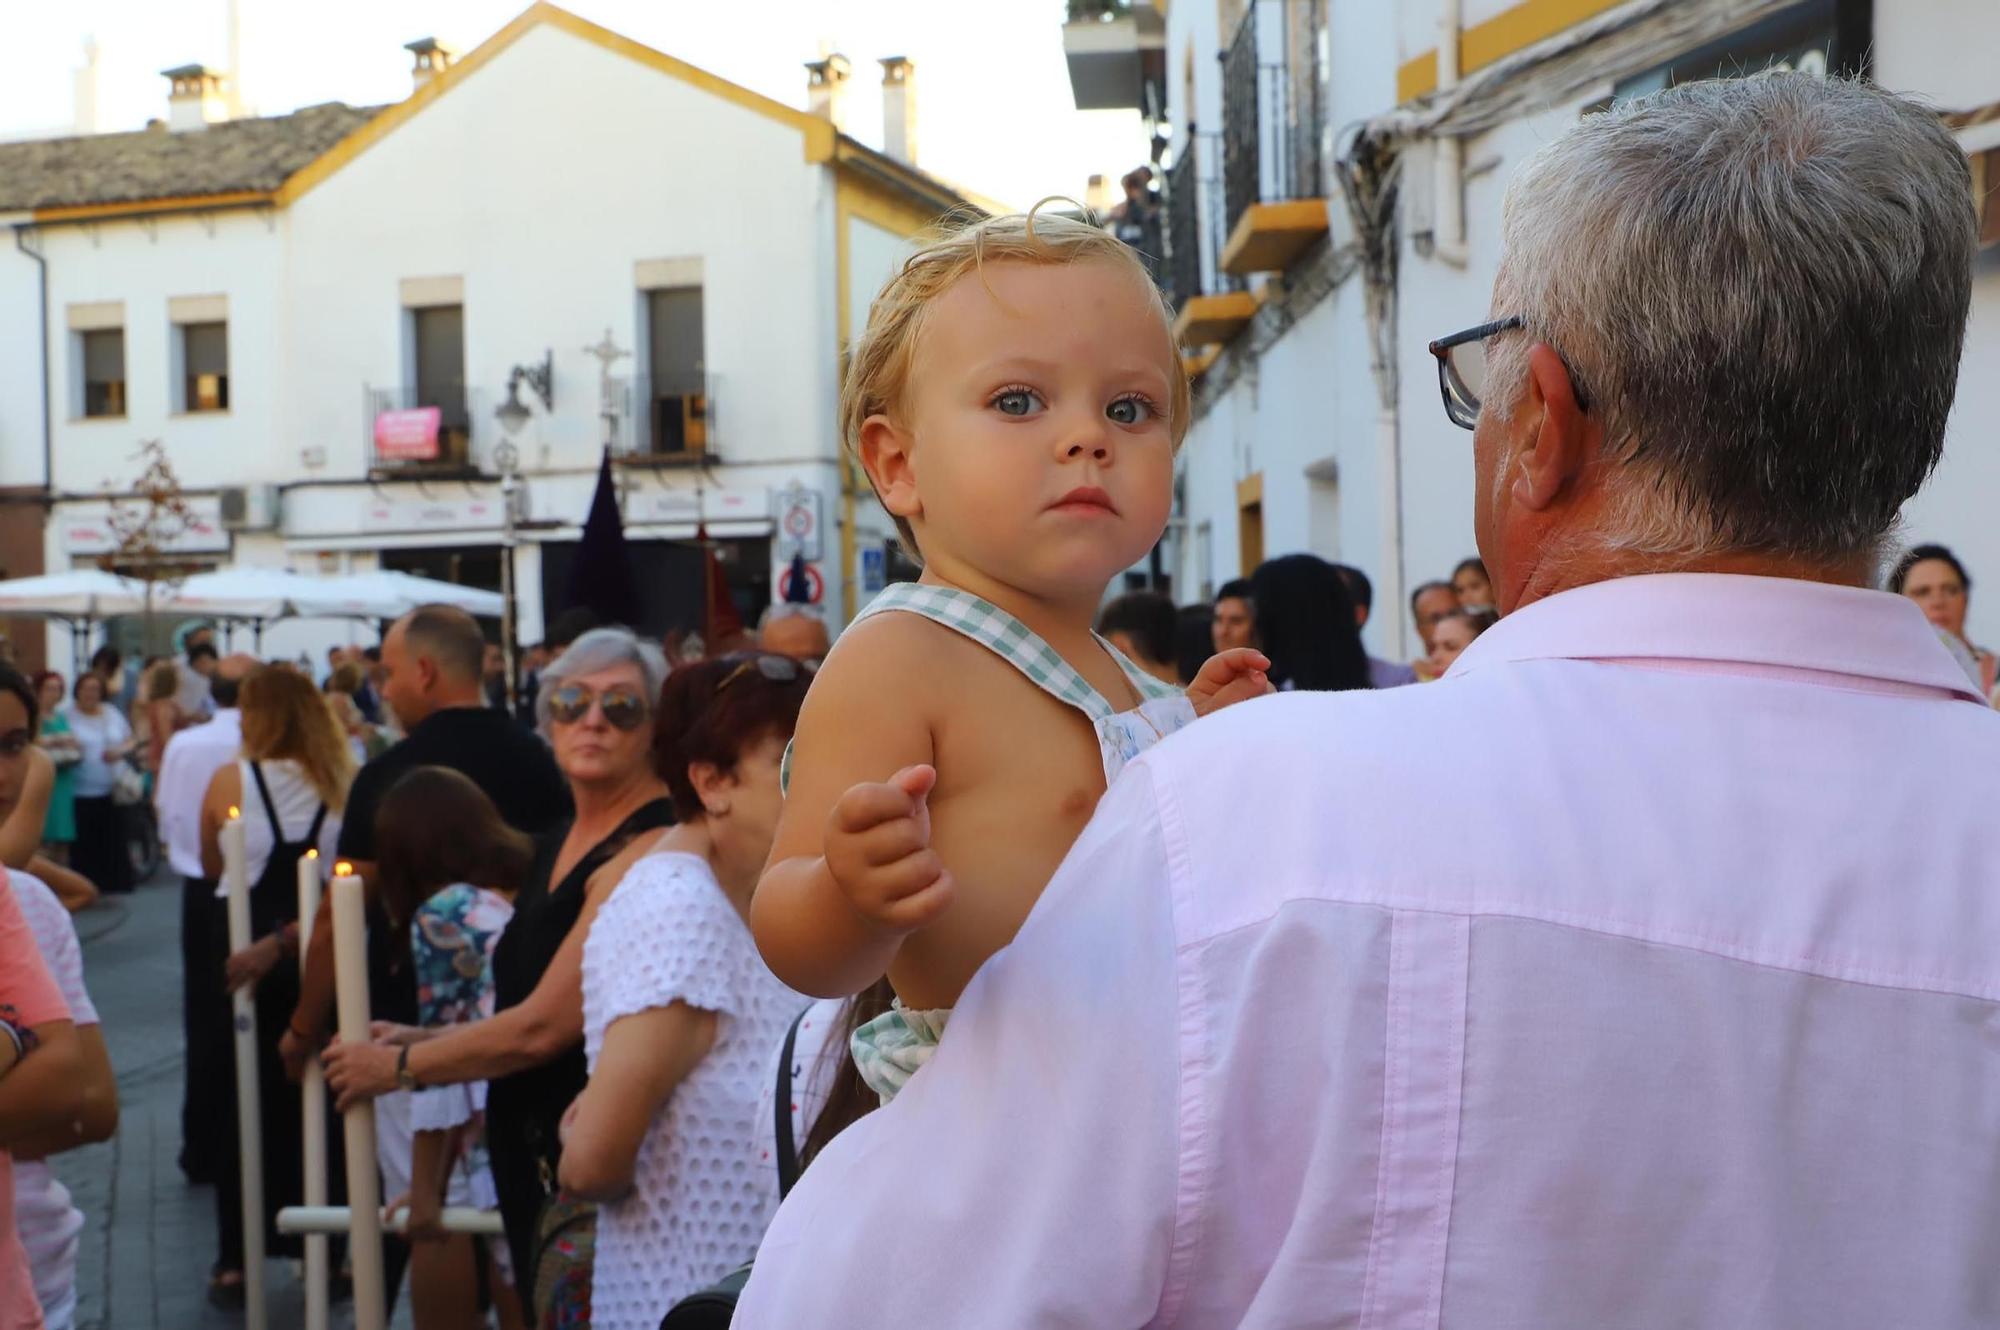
x=1229, y=677
x=878, y=848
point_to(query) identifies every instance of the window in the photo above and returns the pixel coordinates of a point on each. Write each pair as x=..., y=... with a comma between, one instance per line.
x=439, y=338
x=103, y=371
x=677, y=414
x=205, y=366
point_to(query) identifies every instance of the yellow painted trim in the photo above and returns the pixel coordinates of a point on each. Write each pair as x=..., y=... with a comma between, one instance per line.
x=534, y=16
x=1292, y=226
x=850, y=546
x=1236, y=308
x=1250, y=490
x=857, y=198
x=1508, y=31
x=91, y=212
x=1195, y=365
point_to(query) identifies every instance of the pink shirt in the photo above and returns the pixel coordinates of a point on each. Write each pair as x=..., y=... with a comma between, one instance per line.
x=1643, y=972
x=28, y=997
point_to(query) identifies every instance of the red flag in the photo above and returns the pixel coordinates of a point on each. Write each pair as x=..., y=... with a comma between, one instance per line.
x=721, y=624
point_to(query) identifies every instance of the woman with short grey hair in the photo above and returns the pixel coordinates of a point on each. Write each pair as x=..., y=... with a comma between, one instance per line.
x=596, y=706
x=598, y=649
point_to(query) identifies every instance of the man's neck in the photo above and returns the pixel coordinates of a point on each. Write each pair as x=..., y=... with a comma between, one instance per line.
x=472, y=701
x=1552, y=577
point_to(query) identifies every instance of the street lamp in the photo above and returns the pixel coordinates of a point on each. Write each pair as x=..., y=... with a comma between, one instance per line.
x=512, y=415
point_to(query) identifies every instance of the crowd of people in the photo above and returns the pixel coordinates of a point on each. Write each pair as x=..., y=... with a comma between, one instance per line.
x=1030, y=1017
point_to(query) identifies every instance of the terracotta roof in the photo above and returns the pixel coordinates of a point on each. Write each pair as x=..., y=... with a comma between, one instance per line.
x=230, y=157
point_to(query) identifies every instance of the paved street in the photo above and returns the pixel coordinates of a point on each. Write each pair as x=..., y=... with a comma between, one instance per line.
x=149, y=1237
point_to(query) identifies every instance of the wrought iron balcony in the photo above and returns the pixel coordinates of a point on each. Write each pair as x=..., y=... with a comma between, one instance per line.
x=424, y=432
x=1273, y=176
x=664, y=420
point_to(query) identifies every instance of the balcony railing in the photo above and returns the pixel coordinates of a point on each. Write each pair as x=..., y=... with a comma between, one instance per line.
x=664, y=419
x=1271, y=106
x=1183, y=229
x=1196, y=227
x=426, y=431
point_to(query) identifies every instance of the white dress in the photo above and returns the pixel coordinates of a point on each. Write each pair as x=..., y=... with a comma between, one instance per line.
x=697, y=1209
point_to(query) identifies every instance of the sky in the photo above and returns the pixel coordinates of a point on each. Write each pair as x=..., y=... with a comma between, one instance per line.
x=994, y=111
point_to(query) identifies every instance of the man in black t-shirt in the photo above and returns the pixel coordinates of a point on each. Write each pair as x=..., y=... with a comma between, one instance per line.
x=433, y=661
x=432, y=658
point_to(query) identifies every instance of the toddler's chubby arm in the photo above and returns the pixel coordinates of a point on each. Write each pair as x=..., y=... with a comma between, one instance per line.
x=851, y=870
x=1229, y=677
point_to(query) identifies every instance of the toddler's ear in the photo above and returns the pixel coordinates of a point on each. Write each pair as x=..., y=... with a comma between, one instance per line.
x=886, y=456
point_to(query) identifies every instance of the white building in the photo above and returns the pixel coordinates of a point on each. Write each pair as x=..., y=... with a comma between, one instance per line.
x=1285, y=119
x=322, y=314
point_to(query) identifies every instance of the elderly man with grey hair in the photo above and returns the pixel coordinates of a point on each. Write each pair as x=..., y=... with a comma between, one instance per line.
x=1692, y=1021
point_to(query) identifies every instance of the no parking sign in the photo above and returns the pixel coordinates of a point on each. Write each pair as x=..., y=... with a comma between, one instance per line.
x=799, y=521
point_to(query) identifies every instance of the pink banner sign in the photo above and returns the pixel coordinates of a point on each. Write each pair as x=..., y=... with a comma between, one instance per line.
x=408, y=436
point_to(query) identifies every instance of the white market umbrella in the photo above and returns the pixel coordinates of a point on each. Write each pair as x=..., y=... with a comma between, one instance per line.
x=245, y=593
x=396, y=594
x=81, y=593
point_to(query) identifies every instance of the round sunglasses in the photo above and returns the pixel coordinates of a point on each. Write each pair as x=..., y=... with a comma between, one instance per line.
x=623, y=707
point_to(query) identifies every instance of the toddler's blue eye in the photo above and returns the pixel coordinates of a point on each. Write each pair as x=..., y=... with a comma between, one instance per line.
x=1015, y=402
x=1129, y=410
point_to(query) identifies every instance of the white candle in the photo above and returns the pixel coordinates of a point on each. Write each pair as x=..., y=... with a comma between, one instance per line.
x=319, y=1294
x=364, y=1189
x=249, y=1125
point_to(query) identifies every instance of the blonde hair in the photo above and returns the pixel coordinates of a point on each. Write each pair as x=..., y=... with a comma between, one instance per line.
x=878, y=364
x=284, y=717
x=162, y=681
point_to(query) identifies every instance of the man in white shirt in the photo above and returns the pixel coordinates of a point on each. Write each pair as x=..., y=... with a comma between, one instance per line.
x=191, y=760
x=1686, y=1012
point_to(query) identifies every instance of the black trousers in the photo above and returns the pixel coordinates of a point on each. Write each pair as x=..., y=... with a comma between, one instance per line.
x=100, y=853
x=205, y=1023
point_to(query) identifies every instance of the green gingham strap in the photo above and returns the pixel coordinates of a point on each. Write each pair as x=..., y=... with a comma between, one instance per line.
x=1011, y=640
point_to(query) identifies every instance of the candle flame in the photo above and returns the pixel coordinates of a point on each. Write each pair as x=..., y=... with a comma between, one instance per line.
x=234, y=811
x=343, y=869
x=312, y=854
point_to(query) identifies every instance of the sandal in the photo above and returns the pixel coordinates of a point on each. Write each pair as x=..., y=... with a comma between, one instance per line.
x=225, y=1288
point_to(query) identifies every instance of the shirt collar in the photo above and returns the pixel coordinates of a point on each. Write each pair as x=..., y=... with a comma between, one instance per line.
x=1779, y=622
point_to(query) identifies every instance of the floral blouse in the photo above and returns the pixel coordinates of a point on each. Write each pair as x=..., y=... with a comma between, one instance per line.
x=451, y=946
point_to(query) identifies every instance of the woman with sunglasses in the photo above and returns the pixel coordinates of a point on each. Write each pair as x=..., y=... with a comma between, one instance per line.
x=596, y=706
x=680, y=1012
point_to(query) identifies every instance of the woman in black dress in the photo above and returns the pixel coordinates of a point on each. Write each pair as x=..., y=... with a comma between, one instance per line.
x=596, y=707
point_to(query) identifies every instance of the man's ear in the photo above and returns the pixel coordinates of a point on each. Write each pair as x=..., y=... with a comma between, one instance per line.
x=1563, y=439
x=887, y=458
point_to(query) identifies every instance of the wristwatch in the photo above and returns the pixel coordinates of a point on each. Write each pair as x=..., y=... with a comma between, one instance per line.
x=405, y=1078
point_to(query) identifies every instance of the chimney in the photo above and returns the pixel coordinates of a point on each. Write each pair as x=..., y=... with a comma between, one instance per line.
x=899, y=109
x=196, y=101
x=1097, y=198
x=433, y=57
x=86, y=89
x=826, y=88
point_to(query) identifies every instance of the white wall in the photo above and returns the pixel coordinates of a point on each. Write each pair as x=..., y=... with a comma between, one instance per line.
x=1942, y=50
x=234, y=254
x=542, y=197
x=20, y=367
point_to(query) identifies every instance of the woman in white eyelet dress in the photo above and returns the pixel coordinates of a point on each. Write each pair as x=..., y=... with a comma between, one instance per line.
x=680, y=1015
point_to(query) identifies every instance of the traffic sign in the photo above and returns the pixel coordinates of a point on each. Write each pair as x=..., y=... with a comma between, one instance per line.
x=815, y=585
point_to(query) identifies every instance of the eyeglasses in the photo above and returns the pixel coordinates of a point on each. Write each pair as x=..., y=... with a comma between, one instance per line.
x=778, y=669
x=623, y=707
x=1461, y=361
x=15, y=742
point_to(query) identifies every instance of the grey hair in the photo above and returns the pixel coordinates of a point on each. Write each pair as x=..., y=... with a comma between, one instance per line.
x=601, y=649
x=1760, y=288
